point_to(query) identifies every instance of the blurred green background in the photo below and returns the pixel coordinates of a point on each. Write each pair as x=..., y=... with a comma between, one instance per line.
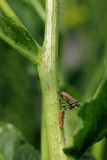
x=82, y=52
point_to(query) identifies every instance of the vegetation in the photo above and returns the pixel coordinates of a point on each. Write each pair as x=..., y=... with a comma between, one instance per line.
x=69, y=55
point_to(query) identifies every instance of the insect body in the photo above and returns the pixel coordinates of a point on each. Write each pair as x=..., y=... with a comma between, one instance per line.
x=72, y=102
x=61, y=117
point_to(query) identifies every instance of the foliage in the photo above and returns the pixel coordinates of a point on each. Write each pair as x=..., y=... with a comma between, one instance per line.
x=94, y=126
x=13, y=32
x=84, y=21
x=15, y=92
x=13, y=145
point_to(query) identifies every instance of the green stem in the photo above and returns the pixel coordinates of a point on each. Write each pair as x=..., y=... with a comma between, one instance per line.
x=44, y=136
x=48, y=78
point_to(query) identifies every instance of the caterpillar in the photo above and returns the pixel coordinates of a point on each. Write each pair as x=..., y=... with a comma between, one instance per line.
x=61, y=117
x=72, y=102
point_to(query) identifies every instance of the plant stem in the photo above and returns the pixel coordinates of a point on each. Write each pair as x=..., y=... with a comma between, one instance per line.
x=48, y=78
x=44, y=137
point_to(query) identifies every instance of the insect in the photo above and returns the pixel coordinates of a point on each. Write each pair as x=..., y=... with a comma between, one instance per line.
x=61, y=117
x=72, y=102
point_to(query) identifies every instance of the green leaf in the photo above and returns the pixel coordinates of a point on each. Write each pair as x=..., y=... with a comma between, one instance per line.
x=13, y=146
x=15, y=34
x=94, y=117
x=8, y=12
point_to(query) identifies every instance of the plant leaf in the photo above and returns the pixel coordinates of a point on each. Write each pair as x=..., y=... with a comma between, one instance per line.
x=8, y=12
x=94, y=117
x=15, y=34
x=13, y=146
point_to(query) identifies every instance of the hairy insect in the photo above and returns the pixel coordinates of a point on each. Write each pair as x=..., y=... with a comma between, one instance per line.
x=61, y=117
x=72, y=102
